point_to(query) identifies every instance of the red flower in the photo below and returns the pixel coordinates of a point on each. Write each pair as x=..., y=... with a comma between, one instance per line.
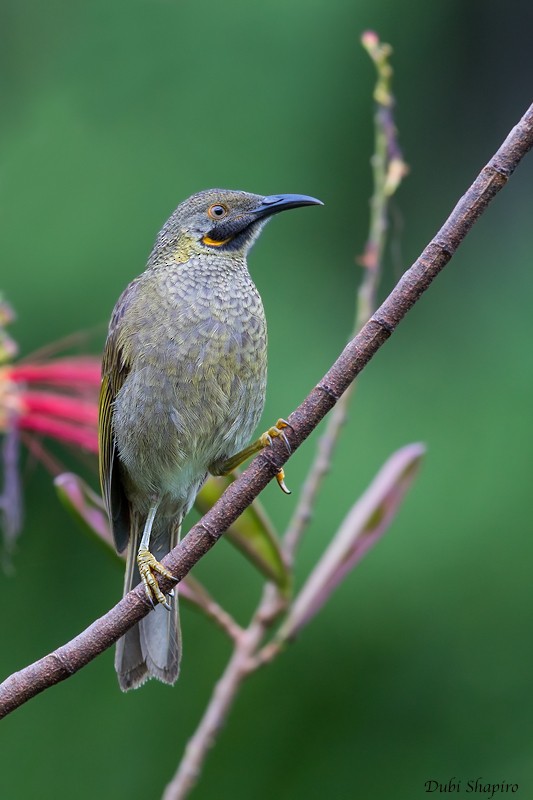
x=58, y=398
x=42, y=397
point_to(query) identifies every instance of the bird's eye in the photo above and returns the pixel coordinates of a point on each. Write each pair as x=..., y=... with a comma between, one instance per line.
x=217, y=211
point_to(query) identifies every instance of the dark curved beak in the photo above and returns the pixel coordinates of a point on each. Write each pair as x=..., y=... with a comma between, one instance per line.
x=275, y=203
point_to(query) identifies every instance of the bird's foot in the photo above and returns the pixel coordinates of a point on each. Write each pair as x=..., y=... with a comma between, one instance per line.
x=265, y=440
x=272, y=433
x=148, y=567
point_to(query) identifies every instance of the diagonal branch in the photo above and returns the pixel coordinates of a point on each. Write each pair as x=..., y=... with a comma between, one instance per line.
x=62, y=663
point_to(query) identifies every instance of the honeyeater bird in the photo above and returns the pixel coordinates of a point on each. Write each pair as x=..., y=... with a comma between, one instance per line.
x=183, y=388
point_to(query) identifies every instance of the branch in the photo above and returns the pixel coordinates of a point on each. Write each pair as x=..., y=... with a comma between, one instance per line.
x=388, y=168
x=240, y=665
x=62, y=663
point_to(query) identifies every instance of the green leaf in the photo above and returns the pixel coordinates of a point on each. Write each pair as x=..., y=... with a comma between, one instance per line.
x=253, y=534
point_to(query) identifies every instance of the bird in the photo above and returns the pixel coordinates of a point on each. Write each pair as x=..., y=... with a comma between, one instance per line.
x=183, y=388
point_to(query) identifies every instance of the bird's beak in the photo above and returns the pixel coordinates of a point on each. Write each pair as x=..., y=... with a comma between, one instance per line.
x=275, y=203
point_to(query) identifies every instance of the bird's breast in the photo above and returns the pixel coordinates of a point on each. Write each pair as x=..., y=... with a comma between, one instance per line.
x=197, y=382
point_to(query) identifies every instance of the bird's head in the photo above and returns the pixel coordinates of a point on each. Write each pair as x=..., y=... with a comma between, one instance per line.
x=220, y=220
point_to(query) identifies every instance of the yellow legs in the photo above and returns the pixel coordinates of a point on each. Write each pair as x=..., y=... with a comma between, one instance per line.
x=148, y=564
x=265, y=440
x=146, y=561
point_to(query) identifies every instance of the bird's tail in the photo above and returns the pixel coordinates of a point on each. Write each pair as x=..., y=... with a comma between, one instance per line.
x=152, y=648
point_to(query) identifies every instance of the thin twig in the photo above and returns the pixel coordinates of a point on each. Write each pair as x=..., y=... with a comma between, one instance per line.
x=214, y=716
x=224, y=620
x=62, y=663
x=216, y=712
x=388, y=169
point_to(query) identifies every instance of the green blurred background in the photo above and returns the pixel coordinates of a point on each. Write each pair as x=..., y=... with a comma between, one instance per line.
x=421, y=665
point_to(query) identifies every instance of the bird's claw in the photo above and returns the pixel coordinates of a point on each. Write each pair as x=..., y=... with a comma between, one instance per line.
x=148, y=566
x=280, y=477
x=275, y=431
x=266, y=441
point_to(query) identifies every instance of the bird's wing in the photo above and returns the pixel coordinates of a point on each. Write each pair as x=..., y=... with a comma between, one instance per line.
x=115, y=368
